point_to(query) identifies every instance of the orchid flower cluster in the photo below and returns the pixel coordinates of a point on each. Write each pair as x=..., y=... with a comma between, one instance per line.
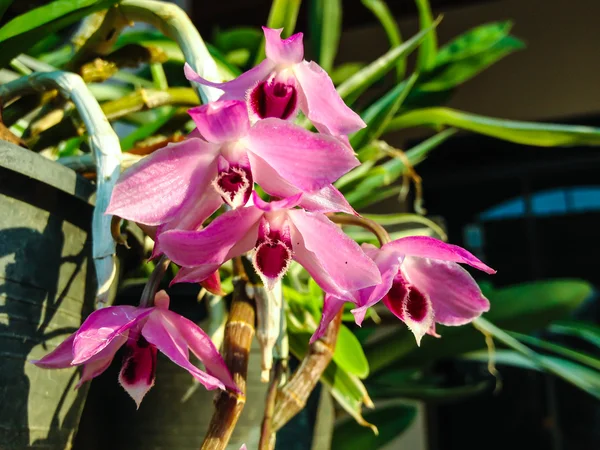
x=244, y=139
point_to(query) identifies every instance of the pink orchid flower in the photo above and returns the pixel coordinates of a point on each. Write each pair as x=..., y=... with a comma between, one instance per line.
x=173, y=185
x=421, y=284
x=278, y=234
x=284, y=82
x=143, y=331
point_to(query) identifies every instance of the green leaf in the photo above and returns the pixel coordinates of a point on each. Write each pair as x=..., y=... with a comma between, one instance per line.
x=428, y=50
x=380, y=113
x=559, y=349
x=349, y=354
x=580, y=376
x=344, y=71
x=380, y=9
x=27, y=29
x=449, y=75
x=283, y=14
x=4, y=4
x=473, y=42
x=391, y=421
x=575, y=374
x=236, y=38
x=388, y=172
x=575, y=328
x=325, y=22
x=523, y=307
x=528, y=133
x=360, y=82
x=164, y=114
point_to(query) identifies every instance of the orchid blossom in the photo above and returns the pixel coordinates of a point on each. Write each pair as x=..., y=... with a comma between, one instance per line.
x=277, y=233
x=143, y=331
x=184, y=183
x=421, y=284
x=284, y=82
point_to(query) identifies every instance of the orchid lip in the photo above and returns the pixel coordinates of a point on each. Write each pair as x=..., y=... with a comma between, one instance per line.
x=273, y=98
x=234, y=185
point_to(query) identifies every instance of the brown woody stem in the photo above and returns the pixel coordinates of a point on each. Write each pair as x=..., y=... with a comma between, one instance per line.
x=368, y=224
x=293, y=396
x=267, y=436
x=239, y=332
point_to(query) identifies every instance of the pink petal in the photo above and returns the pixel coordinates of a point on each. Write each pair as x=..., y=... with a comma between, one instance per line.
x=202, y=346
x=331, y=306
x=160, y=331
x=428, y=247
x=138, y=372
x=153, y=190
x=327, y=199
x=411, y=305
x=59, y=358
x=102, y=327
x=321, y=103
x=196, y=274
x=229, y=235
x=213, y=284
x=276, y=205
x=306, y=160
x=235, y=89
x=221, y=121
x=283, y=51
x=388, y=263
x=273, y=98
x=331, y=257
x=455, y=296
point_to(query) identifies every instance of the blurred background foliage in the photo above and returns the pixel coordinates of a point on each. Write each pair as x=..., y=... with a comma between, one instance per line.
x=137, y=77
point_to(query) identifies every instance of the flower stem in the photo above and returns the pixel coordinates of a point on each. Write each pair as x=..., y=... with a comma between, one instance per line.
x=293, y=396
x=154, y=280
x=267, y=436
x=239, y=333
x=368, y=224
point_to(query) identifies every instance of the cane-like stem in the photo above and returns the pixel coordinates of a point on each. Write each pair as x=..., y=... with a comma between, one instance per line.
x=239, y=333
x=267, y=436
x=371, y=225
x=107, y=152
x=293, y=396
x=147, y=298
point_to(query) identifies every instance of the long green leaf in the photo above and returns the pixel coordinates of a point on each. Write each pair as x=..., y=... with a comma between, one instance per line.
x=27, y=29
x=380, y=9
x=449, y=75
x=325, y=29
x=391, y=421
x=529, y=133
x=428, y=392
x=569, y=371
x=387, y=173
x=349, y=354
x=428, y=50
x=359, y=82
x=582, y=330
x=4, y=4
x=561, y=350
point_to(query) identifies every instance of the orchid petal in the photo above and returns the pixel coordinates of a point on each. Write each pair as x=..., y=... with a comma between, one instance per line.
x=138, y=372
x=164, y=335
x=276, y=205
x=410, y=305
x=343, y=261
x=153, y=190
x=428, y=247
x=202, y=346
x=331, y=307
x=196, y=274
x=59, y=358
x=221, y=121
x=321, y=103
x=283, y=51
x=388, y=263
x=306, y=160
x=101, y=360
x=102, y=327
x=229, y=235
x=213, y=284
x=327, y=199
x=455, y=296
x=236, y=88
